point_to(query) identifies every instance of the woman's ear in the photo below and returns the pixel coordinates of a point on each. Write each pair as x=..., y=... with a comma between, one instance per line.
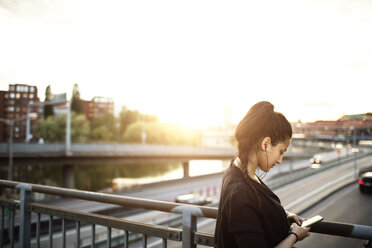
x=266, y=142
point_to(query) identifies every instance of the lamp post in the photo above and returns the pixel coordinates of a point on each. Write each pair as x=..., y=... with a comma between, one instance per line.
x=355, y=150
x=68, y=130
x=10, y=123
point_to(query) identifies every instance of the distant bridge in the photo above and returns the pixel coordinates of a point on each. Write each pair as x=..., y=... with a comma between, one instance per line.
x=123, y=151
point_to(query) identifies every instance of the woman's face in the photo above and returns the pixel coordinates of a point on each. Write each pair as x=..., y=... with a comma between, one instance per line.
x=272, y=155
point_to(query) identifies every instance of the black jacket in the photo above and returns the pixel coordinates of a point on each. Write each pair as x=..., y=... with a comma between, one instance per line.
x=249, y=214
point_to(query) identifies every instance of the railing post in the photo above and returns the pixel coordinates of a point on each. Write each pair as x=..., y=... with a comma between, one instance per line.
x=189, y=224
x=24, y=216
x=188, y=230
x=186, y=169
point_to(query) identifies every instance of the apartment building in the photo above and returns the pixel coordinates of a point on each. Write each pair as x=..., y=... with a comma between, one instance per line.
x=97, y=106
x=13, y=106
x=2, y=116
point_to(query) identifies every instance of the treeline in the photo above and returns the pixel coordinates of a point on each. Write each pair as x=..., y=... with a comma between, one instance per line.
x=130, y=126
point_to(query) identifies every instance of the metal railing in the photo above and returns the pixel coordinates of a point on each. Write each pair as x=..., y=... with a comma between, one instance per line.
x=29, y=229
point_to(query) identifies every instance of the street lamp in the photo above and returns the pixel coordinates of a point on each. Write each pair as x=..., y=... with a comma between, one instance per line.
x=354, y=150
x=68, y=129
x=10, y=123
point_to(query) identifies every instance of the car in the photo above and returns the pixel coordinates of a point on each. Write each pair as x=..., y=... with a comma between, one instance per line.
x=365, y=181
x=316, y=159
x=193, y=199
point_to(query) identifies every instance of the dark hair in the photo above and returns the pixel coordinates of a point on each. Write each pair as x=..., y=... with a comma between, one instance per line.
x=260, y=121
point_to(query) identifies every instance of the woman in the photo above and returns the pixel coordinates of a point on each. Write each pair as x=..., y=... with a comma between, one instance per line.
x=250, y=214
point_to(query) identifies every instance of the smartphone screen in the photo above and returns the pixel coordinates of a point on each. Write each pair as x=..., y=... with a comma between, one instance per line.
x=312, y=221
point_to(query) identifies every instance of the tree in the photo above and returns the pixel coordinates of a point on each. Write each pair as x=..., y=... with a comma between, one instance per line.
x=103, y=128
x=76, y=104
x=101, y=134
x=53, y=129
x=127, y=117
x=79, y=128
x=48, y=109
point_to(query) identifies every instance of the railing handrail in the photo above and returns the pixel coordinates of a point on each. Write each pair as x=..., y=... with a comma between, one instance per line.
x=126, y=201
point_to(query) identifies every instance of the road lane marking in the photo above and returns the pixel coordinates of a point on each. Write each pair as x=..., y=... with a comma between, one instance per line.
x=325, y=206
x=318, y=190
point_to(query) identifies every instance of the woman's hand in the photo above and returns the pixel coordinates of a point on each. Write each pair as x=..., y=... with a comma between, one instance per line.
x=294, y=218
x=302, y=232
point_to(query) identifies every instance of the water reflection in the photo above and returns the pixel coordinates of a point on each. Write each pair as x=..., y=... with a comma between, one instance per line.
x=101, y=177
x=109, y=177
x=126, y=183
x=203, y=167
x=196, y=168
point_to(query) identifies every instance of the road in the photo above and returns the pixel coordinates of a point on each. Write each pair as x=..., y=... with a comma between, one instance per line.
x=346, y=206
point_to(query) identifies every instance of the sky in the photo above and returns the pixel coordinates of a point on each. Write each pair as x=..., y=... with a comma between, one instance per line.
x=189, y=61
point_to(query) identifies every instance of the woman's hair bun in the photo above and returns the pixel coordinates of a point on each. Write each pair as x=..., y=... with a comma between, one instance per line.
x=263, y=111
x=264, y=106
x=262, y=121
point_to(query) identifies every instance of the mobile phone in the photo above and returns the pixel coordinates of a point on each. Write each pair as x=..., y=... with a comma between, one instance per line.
x=311, y=221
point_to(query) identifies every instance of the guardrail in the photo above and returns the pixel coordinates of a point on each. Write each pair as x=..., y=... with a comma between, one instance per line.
x=188, y=235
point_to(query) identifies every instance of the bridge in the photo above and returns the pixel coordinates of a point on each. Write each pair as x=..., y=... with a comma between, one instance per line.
x=123, y=151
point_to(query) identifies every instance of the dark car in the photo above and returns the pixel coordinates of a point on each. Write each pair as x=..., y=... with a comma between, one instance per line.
x=193, y=199
x=365, y=182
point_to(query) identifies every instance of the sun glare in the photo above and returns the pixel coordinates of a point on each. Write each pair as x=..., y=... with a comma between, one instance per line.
x=192, y=116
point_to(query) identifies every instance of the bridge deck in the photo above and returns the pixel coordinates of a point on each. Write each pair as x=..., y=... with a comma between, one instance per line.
x=130, y=151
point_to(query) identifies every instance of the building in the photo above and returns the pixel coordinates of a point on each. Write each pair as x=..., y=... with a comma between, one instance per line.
x=2, y=116
x=15, y=101
x=85, y=107
x=13, y=104
x=101, y=106
x=98, y=106
x=341, y=130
